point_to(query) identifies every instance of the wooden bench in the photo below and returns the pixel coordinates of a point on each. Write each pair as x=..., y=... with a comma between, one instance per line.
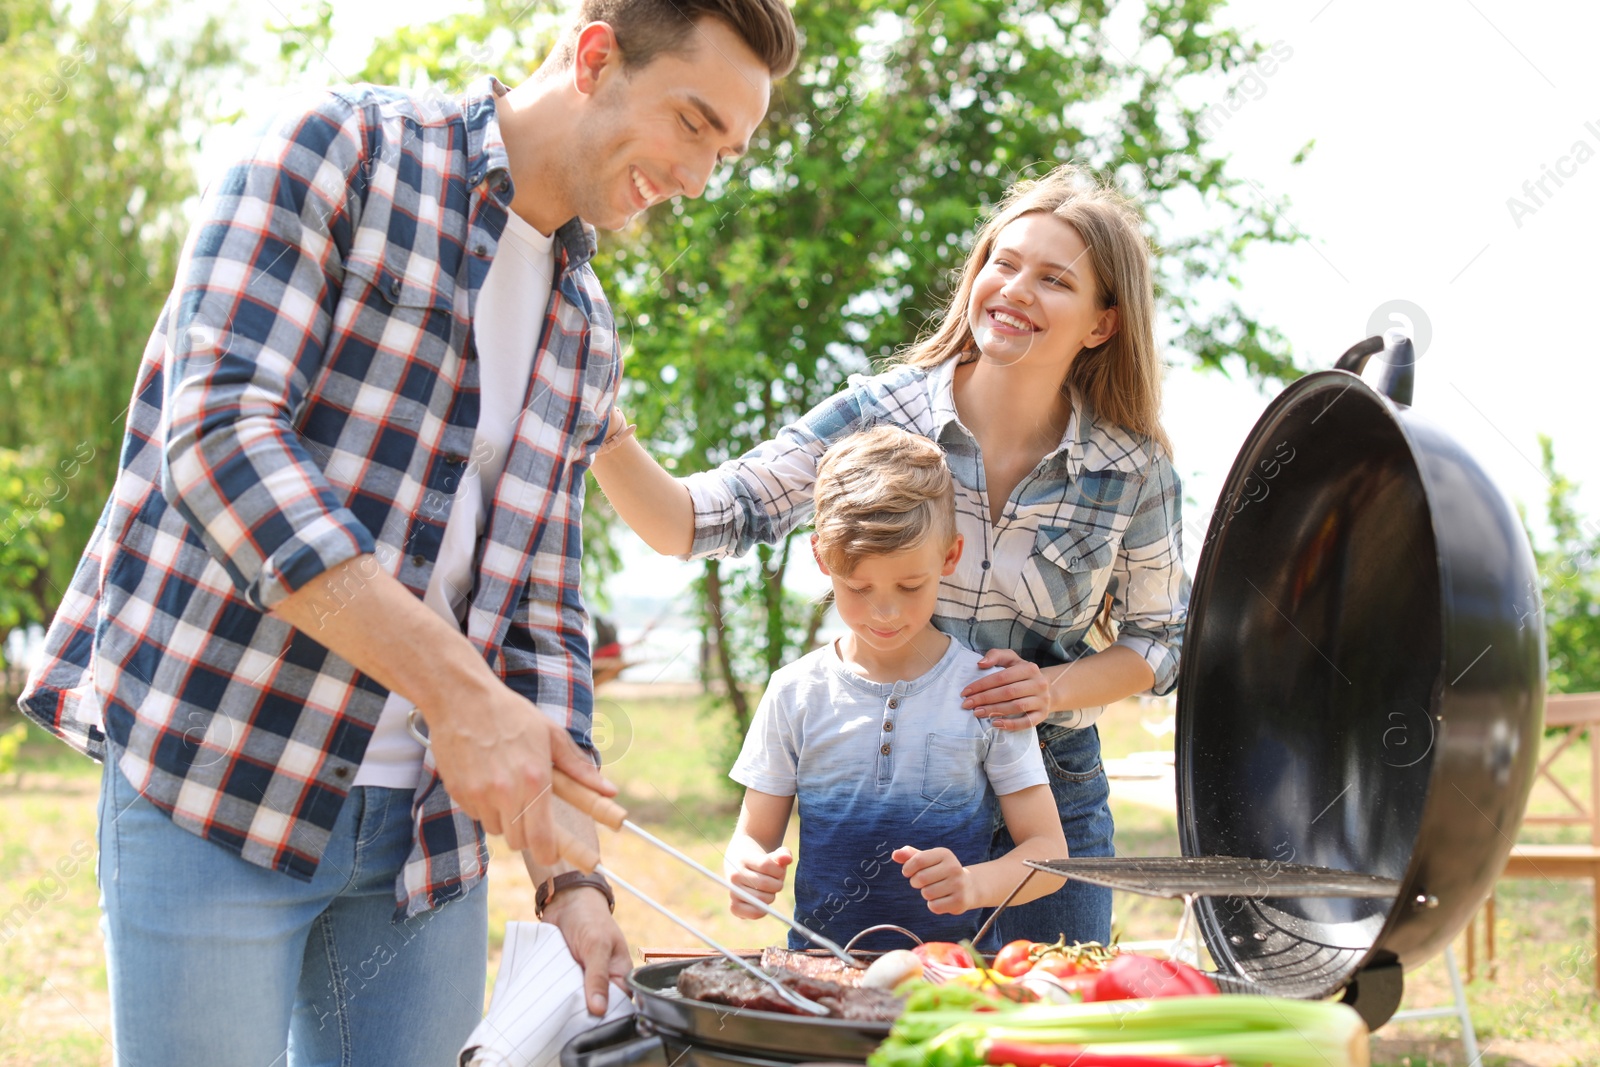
x=1580, y=712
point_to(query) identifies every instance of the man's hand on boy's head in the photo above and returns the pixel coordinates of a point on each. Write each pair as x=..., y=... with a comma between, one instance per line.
x=945, y=884
x=1012, y=699
x=759, y=873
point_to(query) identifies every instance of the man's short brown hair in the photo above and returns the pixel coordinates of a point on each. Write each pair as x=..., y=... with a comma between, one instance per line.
x=882, y=491
x=647, y=28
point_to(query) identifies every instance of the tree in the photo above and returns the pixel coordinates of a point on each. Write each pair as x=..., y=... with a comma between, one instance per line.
x=98, y=132
x=830, y=244
x=26, y=522
x=1569, y=579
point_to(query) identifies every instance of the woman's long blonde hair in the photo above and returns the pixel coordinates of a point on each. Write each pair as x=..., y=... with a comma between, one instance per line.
x=1121, y=379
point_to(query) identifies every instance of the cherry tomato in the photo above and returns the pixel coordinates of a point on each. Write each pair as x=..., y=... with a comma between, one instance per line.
x=1013, y=961
x=947, y=953
x=1061, y=966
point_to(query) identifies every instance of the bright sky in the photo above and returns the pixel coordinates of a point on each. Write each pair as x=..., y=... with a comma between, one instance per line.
x=1428, y=116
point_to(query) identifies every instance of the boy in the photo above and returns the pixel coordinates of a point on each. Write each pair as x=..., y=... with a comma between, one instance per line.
x=894, y=777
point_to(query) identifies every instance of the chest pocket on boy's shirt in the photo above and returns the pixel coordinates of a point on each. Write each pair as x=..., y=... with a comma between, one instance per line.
x=1060, y=579
x=952, y=770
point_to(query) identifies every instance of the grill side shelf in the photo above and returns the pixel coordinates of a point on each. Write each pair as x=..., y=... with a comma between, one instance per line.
x=1176, y=877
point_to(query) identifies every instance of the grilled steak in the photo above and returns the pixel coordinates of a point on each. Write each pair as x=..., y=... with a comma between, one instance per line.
x=829, y=967
x=716, y=981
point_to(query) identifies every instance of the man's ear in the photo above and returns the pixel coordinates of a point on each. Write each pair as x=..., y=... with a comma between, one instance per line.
x=596, y=52
x=952, y=557
x=816, y=556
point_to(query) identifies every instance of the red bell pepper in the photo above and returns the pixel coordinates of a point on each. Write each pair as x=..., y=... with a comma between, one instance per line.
x=1134, y=977
x=1022, y=1054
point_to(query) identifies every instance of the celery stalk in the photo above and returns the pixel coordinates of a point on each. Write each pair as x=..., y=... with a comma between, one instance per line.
x=1250, y=1031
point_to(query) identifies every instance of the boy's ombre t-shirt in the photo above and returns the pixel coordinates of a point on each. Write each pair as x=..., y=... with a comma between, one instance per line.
x=878, y=765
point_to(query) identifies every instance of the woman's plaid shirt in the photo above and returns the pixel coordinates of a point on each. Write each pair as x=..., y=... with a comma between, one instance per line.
x=310, y=394
x=1099, y=514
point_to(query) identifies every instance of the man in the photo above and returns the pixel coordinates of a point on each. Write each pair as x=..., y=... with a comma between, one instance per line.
x=347, y=512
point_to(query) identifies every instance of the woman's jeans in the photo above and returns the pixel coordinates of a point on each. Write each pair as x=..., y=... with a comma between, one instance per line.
x=214, y=961
x=1079, y=910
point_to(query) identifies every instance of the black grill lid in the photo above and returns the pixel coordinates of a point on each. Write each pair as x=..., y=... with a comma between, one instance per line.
x=1362, y=685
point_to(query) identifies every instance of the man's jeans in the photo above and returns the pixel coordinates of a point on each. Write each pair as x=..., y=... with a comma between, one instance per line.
x=1079, y=910
x=214, y=961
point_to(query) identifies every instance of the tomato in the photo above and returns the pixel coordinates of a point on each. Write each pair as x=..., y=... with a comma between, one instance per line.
x=1060, y=966
x=1013, y=961
x=945, y=953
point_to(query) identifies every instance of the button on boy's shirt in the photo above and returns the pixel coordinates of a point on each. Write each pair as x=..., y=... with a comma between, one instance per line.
x=877, y=765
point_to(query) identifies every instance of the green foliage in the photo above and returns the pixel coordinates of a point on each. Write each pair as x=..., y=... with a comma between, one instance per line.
x=506, y=38
x=27, y=522
x=98, y=127
x=1569, y=578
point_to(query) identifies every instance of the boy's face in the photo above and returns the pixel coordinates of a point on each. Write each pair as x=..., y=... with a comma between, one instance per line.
x=888, y=600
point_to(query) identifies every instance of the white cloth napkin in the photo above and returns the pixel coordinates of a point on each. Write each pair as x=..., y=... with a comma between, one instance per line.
x=538, y=1003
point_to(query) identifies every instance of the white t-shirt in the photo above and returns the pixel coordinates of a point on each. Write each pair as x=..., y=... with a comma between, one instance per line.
x=510, y=313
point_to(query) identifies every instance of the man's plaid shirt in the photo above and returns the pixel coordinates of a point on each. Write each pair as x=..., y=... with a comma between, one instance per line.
x=310, y=394
x=1099, y=514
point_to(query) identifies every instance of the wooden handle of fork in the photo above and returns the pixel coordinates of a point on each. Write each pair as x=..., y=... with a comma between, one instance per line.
x=575, y=852
x=603, y=810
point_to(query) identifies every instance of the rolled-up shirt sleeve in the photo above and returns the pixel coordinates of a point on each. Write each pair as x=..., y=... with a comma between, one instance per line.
x=1151, y=601
x=762, y=495
x=246, y=340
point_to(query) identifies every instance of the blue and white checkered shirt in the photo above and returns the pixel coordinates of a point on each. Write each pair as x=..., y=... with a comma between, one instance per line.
x=309, y=395
x=1099, y=514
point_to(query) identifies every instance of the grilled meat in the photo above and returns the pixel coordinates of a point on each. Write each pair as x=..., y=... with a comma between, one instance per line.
x=716, y=981
x=829, y=967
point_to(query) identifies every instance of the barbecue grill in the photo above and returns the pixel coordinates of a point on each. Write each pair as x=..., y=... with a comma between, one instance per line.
x=1359, y=708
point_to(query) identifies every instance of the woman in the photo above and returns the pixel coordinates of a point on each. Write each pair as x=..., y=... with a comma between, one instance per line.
x=1042, y=383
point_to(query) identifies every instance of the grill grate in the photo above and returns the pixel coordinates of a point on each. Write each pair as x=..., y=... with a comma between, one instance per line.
x=1176, y=877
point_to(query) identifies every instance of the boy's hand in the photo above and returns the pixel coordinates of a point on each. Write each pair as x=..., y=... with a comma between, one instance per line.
x=1011, y=699
x=759, y=873
x=945, y=884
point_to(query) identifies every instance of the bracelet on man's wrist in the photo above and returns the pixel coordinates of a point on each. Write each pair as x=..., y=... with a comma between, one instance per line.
x=570, y=880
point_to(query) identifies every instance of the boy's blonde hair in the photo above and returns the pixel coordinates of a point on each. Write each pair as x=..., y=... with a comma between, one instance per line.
x=1121, y=378
x=882, y=491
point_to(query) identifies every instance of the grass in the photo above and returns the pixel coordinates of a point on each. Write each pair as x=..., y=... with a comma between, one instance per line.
x=1538, y=1008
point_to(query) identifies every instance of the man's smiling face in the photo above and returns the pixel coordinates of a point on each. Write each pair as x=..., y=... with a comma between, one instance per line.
x=659, y=131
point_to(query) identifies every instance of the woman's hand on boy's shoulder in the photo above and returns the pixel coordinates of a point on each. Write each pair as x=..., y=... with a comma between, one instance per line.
x=759, y=873
x=945, y=884
x=1014, y=698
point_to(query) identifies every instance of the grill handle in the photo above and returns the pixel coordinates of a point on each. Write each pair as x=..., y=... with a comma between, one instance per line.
x=1399, y=376
x=617, y=1043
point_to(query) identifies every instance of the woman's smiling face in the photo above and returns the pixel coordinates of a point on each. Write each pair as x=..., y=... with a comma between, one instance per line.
x=1037, y=296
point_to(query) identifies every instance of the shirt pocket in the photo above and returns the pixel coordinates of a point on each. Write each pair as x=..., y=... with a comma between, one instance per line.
x=952, y=770
x=400, y=303
x=1061, y=580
